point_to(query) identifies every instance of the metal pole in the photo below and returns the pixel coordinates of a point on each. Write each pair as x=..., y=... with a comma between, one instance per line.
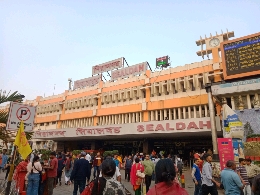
x=212, y=121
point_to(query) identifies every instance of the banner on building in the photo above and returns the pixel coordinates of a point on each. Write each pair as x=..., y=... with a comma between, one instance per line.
x=225, y=151
x=233, y=127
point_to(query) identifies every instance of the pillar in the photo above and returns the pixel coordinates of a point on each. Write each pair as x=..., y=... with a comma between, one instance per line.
x=189, y=112
x=213, y=122
x=195, y=111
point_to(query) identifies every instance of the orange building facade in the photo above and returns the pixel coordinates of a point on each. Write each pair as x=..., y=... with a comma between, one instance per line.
x=165, y=110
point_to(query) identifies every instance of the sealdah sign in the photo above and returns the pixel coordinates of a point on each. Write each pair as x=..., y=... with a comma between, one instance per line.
x=177, y=126
x=127, y=71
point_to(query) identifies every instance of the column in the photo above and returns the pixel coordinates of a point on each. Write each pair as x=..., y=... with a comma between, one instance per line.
x=170, y=114
x=161, y=115
x=179, y=113
x=129, y=118
x=156, y=115
x=174, y=113
x=141, y=117
x=184, y=112
x=213, y=122
x=233, y=103
x=113, y=119
x=206, y=110
x=195, y=111
x=137, y=117
x=248, y=102
x=152, y=115
x=189, y=112
x=200, y=111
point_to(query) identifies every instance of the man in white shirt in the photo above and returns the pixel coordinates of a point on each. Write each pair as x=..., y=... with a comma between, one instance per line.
x=88, y=157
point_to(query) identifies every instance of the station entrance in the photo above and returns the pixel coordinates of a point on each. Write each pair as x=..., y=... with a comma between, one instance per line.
x=183, y=147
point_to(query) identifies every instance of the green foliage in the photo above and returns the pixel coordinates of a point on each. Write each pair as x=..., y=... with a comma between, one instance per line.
x=76, y=152
x=110, y=153
x=248, y=129
x=253, y=136
x=45, y=154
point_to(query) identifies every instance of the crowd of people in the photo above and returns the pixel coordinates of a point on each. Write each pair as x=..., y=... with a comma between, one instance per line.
x=242, y=179
x=39, y=177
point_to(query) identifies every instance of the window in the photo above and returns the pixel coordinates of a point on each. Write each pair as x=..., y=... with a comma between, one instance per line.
x=53, y=123
x=42, y=124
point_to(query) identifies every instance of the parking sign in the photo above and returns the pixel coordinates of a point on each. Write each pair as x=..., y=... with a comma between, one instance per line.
x=20, y=112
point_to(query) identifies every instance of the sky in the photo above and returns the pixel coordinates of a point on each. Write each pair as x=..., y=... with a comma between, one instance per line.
x=43, y=43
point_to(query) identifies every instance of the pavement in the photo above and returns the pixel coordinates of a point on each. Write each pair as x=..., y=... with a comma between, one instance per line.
x=67, y=190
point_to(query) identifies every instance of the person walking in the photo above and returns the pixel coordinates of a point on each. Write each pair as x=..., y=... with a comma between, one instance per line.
x=4, y=158
x=80, y=173
x=196, y=176
x=89, y=159
x=68, y=169
x=179, y=166
x=148, y=171
x=231, y=180
x=19, y=175
x=137, y=168
x=128, y=165
x=241, y=171
x=60, y=168
x=97, y=162
x=33, y=168
x=252, y=170
x=209, y=185
x=52, y=172
x=107, y=184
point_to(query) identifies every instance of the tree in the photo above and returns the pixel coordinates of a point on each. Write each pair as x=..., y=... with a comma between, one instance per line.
x=248, y=129
x=9, y=97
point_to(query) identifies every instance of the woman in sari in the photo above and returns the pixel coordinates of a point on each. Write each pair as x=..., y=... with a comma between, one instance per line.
x=19, y=175
x=135, y=180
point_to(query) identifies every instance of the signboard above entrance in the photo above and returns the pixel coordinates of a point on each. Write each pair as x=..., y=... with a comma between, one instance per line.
x=20, y=112
x=166, y=127
x=111, y=65
x=127, y=71
x=87, y=82
x=241, y=57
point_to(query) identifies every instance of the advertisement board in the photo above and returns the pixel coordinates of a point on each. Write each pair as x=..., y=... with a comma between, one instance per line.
x=238, y=147
x=225, y=151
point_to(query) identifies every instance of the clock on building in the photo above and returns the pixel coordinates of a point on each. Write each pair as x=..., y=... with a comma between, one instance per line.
x=214, y=42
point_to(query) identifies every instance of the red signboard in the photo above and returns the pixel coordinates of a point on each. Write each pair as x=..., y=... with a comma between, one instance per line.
x=225, y=150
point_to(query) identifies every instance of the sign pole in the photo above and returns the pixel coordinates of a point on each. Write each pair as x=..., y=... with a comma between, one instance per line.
x=10, y=175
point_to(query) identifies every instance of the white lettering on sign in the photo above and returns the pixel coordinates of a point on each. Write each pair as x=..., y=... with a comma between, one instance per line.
x=20, y=112
x=127, y=71
x=111, y=65
x=87, y=82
